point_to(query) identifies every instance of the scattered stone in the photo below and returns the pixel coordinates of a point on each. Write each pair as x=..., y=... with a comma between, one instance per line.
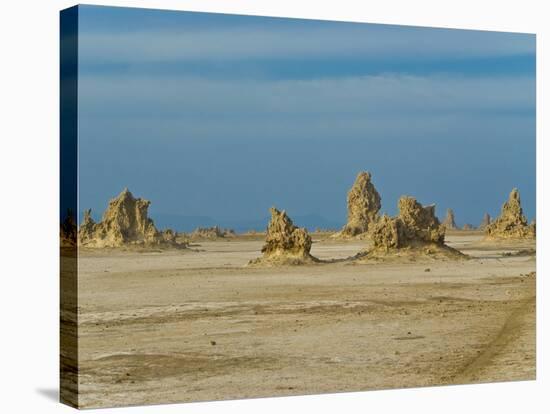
x=364, y=203
x=125, y=223
x=285, y=243
x=449, y=221
x=522, y=252
x=511, y=224
x=212, y=343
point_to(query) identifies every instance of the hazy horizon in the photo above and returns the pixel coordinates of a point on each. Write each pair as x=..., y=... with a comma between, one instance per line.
x=223, y=116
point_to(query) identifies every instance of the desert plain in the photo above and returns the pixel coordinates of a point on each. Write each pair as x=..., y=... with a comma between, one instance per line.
x=197, y=324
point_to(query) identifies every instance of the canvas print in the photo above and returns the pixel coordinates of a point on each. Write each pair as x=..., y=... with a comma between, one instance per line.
x=258, y=207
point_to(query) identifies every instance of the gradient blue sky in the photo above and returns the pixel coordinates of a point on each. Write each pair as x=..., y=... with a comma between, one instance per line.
x=223, y=116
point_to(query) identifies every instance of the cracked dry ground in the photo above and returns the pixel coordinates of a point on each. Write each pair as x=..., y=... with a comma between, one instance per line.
x=190, y=326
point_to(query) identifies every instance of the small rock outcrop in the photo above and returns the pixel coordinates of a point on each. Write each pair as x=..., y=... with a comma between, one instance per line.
x=512, y=223
x=169, y=236
x=124, y=223
x=215, y=232
x=449, y=221
x=485, y=221
x=467, y=226
x=87, y=227
x=68, y=230
x=364, y=203
x=415, y=231
x=285, y=243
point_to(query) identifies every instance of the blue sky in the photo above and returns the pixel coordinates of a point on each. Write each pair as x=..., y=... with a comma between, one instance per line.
x=218, y=117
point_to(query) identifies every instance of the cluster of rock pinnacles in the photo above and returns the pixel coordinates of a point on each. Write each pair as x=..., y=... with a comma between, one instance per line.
x=416, y=227
x=125, y=222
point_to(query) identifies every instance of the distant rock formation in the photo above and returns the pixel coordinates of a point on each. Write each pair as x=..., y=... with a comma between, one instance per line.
x=324, y=230
x=364, y=203
x=68, y=230
x=416, y=229
x=449, y=221
x=467, y=226
x=124, y=223
x=215, y=232
x=511, y=224
x=285, y=243
x=485, y=221
x=87, y=227
x=169, y=236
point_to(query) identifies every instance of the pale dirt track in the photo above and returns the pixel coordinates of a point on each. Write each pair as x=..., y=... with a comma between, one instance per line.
x=187, y=326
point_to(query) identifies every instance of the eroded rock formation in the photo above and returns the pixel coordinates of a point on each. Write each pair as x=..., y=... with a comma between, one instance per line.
x=415, y=224
x=415, y=229
x=485, y=221
x=124, y=223
x=364, y=203
x=467, y=226
x=68, y=230
x=449, y=221
x=285, y=243
x=512, y=223
x=211, y=233
x=169, y=236
x=87, y=227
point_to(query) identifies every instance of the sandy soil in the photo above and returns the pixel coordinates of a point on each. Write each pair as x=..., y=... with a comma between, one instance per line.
x=198, y=325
